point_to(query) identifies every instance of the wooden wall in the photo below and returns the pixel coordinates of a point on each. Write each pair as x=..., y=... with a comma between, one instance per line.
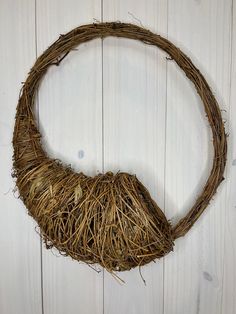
x=121, y=105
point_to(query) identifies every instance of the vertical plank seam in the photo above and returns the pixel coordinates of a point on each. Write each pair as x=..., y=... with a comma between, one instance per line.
x=165, y=136
x=231, y=41
x=103, y=149
x=37, y=115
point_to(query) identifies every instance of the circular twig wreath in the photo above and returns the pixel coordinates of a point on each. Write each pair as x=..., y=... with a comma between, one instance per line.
x=108, y=219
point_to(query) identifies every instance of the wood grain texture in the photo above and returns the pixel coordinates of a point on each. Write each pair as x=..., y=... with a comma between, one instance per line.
x=194, y=273
x=71, y=119
x=20, y=277
x=134, y=94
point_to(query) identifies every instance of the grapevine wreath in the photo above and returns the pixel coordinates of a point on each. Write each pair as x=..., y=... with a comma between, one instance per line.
x=109, y=219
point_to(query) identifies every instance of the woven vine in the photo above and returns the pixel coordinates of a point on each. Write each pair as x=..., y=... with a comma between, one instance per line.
x=108, y=219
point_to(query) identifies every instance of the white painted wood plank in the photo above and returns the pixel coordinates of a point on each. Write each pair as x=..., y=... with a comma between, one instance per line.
x=70, y=107
x=194, y=272
x=20, y=280
x=134, y=135
x=229, y=279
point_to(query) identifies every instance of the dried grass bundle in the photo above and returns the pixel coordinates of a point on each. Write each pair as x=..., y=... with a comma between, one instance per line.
x=108, y=219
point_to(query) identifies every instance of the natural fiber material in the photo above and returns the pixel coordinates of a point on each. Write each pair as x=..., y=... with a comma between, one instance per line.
x=109, y=219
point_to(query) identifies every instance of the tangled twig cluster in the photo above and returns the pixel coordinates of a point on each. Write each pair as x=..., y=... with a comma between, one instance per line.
x=108, y=219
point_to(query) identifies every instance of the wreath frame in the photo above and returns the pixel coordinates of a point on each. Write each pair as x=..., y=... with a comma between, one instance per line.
x=108, y=219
